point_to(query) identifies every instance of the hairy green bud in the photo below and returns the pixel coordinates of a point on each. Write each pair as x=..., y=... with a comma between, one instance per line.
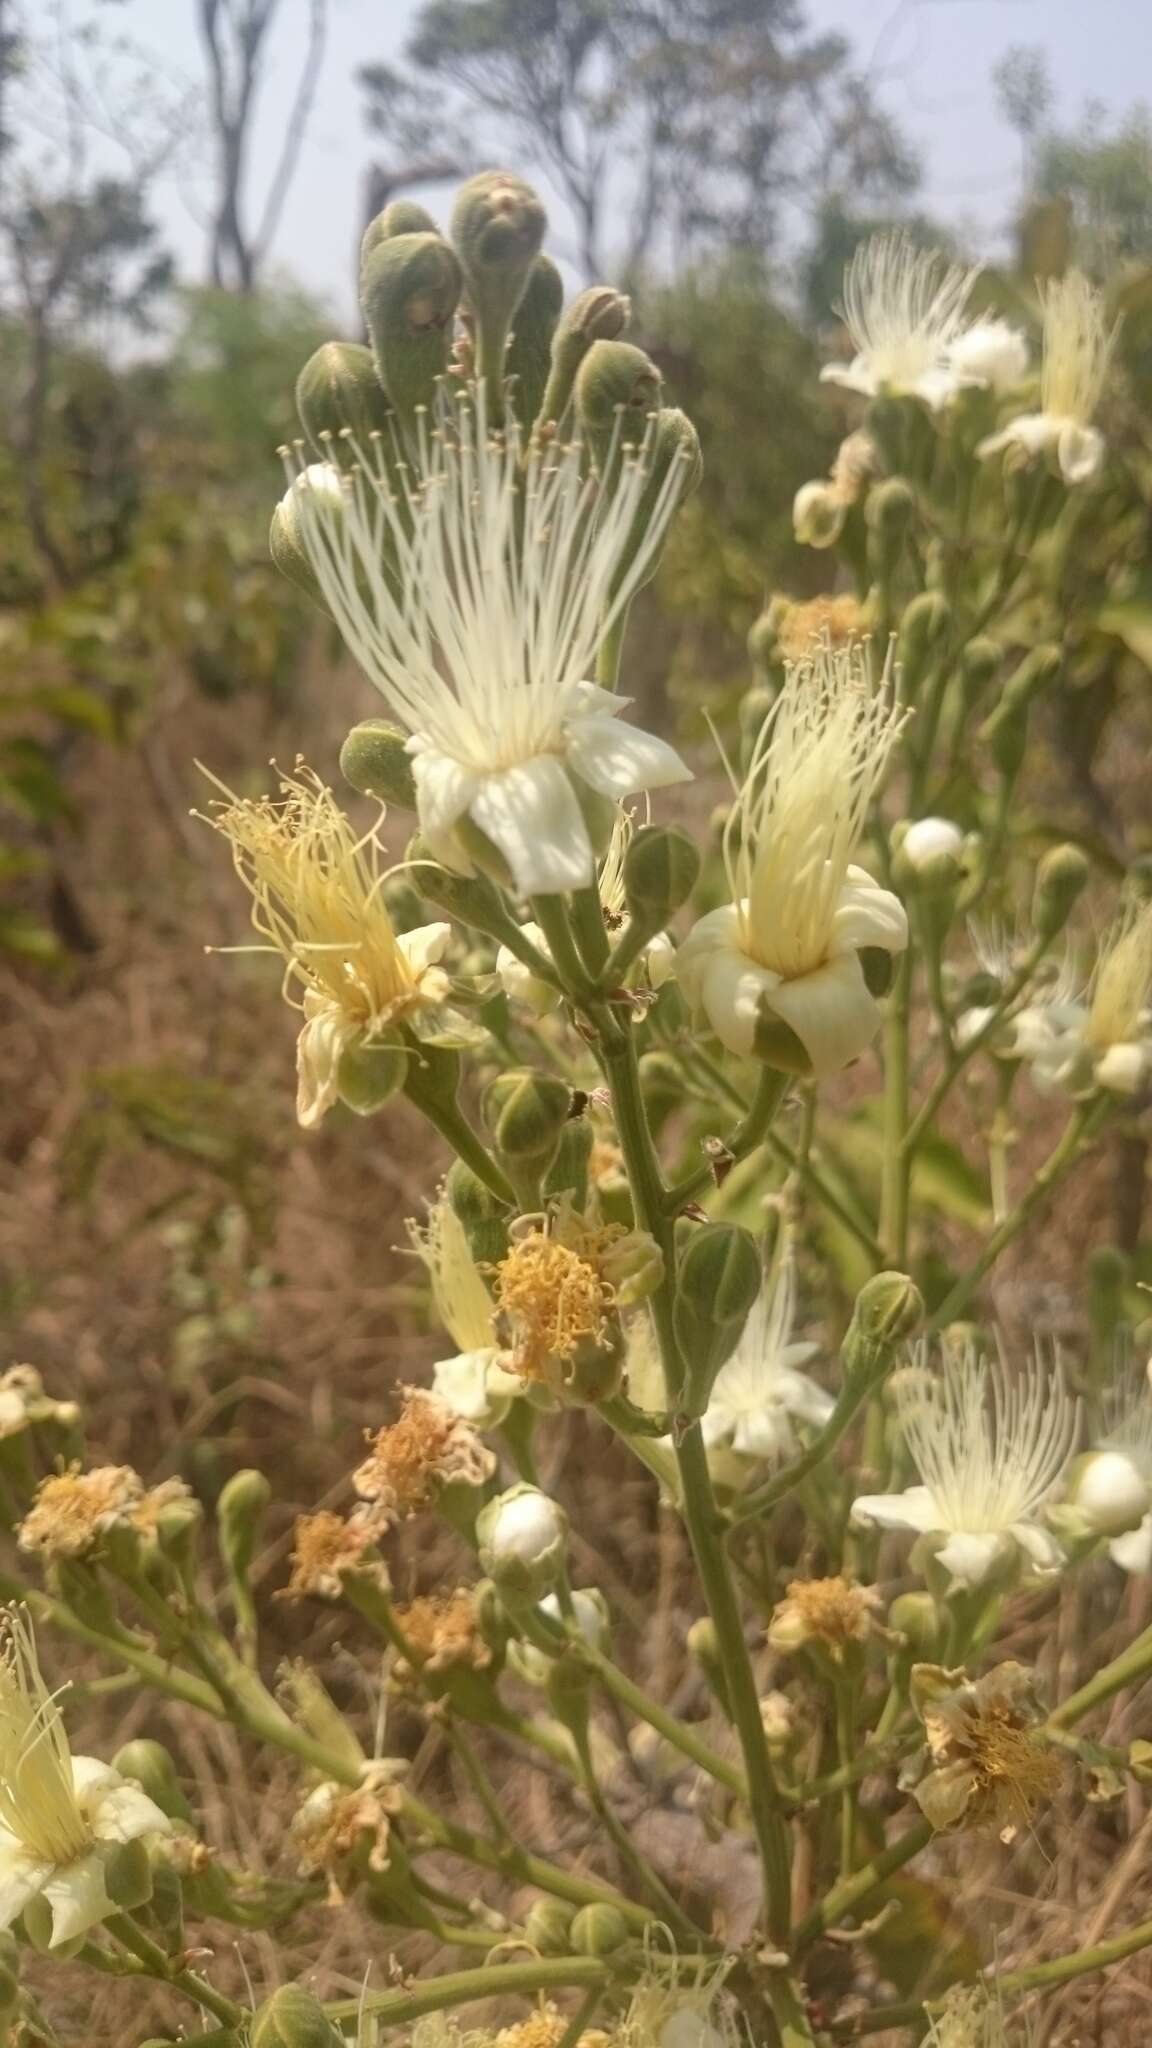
x=374, y=760
x=717, y=1281
x=292, y=2018
x=888, y=1310
x=598, y=314
x=400, y=217
x=239, y=1516
x=661, y=869
x=980, y=663
x=568, y=1172
x=598, y=1930
x=149, y=1765
x=617, y=389
x=916, y=1617
x=340, y=402
x=498, y=226
x=888, y=513
x=704, y=1646
x=1060, y=878
x=483, y=1217
x=289, y=553
x=410, y=287
x=548, y=1927
x=922, y=632
x=526, y=1113
x=528, y=357
x=1005, y=732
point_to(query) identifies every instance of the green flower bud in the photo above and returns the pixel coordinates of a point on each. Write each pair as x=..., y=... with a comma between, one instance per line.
x=718, y=1279
x=922, y=631
x=568, y=1173
x=340, y=402
x=1062, y=875
x=979, y=664
x=888, y=1310
x=888, y=512
x=598, y=1930
x=1140, y=1761
x=149, y=1765
x=928, y=856
x=368, y=1076
x=498, y=226
x=523, y=1539
x=9, y=1993
x=598, y=314
x=239, y=1518
x=1005, y=731
x=400, y=217
x=916, y=1617
x=617, y=388
x=374, y=759
x=292, y=2018
x=674, y=443
x=479, y=1211
x=704, y=1646
x=289, y=554
x=128, y=1875
x=548, y=1927
x=526, y=1112
x=410, y=288
x=470, y=899
x=817, y=515
x=528, y=358
x=594, y=1369
x=661, y=869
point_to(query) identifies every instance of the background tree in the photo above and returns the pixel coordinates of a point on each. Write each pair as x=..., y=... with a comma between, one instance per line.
x=236, y=35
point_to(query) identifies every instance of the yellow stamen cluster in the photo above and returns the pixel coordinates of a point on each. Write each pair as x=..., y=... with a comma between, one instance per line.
x=554, y=1299
x=325, y=1546
x=441, y=1630
x=37, y=1801
x=992, y=1767
x=833, y=1612
x=833, y=621
x=1122, y=985
x=543, y=2029
x=315, y=885
x=413, y=1459
x=72, y=1510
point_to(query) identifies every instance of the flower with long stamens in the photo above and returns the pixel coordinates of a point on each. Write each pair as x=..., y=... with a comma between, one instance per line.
x=904, y=309
x=474, y=1382
x=316, y=888
x=989, y=1445
x=61, y=1816
x=777, y=972
x=1077, y=350
x=1111, y=1487
x=760, y=1392
x=475, y=589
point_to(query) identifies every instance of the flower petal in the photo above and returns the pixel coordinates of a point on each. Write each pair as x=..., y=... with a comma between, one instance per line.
x=937, y=387
x=618, y=760
x=969, y=1556
x=802, y=1397
x=463, y=1383
x=445, y=789
x=1032, y=431
x=732, y=988
x=423, y=946
x=768, y=1435
x=717, y=929
x=868, y=915
x=318, y=1049
x=22, y=1876
x=1080, y=452
x=915, y=1508
x=1133, y=1552
x=831, y=1011
x=78, y=1898
x=854, y=376
x=530, y=812
x=125, y=1813
x=1039, y=1545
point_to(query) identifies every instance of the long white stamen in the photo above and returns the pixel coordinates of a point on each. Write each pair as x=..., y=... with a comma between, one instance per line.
x=904, y=306
x=989, y=1443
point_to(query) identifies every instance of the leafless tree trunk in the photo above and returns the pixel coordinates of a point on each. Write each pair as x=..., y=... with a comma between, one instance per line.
x=235, y=35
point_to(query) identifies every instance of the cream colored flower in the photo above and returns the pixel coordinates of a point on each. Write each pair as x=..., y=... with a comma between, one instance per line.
x=343, y=1832
x=904, y=309
x=777, y=972
x=326, y=1546
x=761, y=1393
x=74, y=1510
x=61, y=1816
x=990, y=1446
x=23, y=1403
x=991, y=353
x=652, y=967
x=474, y=589
x=1077, y=350
x=315, y=884
x=476, y=1382
x=833, y=1613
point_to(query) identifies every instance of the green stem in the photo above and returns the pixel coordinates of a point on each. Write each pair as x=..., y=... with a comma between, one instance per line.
x=926, y=1114
x=845, y=1744
x=461, y=1987
x=852, y=1396
x=673, y=1730
x=580, y=2018
x=897, y=1076
x=551, y=914
x=845, y=1897
x=771, y=1089
x=1132, y=1665
x=167, y=1971
x=453, y=1125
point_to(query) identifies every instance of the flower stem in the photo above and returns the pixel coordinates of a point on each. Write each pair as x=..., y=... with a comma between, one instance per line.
x=1133, y=1664
x=845, y=1897
x=167, y=1970
x=897, y=1076
x=459, y=1987
x=453, y=1125
x=771, y=1089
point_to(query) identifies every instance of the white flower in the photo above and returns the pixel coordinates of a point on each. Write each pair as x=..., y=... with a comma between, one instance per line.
x=589, y=1613
x=60, y=1815
x=518, y=981
x=1077, y=349
x=654, y=964
x=904, y=309
x=1113, y=1485
x=760, y=1391
x=989, y=1446
x=522, y=1536
x=927, y=839
x=991, y=353
x=475, y=589
x=787, y=950
x=473, y=1383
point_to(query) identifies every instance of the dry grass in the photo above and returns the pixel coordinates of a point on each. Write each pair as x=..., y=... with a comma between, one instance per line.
x=293, y=1373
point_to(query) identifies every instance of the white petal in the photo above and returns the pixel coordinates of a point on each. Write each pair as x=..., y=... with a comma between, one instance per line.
x=1032, y=431
x=618, y=760
x=77, y=1896
x=732, y=988
x=444, y=789
x=868, y=915
x=937, y=387
x=831, y=1011
x=768, y=1435
x=969, y=1557
x=423, y=946
x=715, y=930
x=854, y=376
x=803, y=1398
x=22, y=1876
x=318, y=1050
x=1133, y=1552
x=530, y=812
x=463, y=1382
x=1080, y=452
x=590, y=699
x=125, y=1813
x=91, y=1777
x=915, y=1508
x=1039, y=1545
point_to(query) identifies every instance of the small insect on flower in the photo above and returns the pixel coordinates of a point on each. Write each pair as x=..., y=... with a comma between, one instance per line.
x=990, y=1446
x=412, y=1460
x=61, y=1816
x=316, y=888
x=778, y=973
x=475, y=588
x=1077, y=351
x=905, y=310
x=990, y=1766
x=476, y=1383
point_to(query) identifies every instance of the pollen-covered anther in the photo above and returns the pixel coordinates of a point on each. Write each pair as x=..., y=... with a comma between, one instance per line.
x=413, y=1459
x=834, y=621
x=325, y=1547
x=441, y=1630
x=832, y=1612
x=553, y=1298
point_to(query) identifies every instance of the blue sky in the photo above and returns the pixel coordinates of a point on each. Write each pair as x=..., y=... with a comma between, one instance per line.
x=931, y=60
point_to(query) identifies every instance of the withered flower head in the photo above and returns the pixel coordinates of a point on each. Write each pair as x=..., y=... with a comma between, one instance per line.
x=829, y=1612
x=325, y=1546
x=990, y=1765
x=441, y=1630
x=412, y=1459
x=338, y=1826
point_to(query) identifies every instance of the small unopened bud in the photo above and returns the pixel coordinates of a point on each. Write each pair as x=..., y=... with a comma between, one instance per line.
x=617, y=387
x=128, y=1876
x=523, y=1537
x=817, y=515
x=526, y=1111
x=482, y=1216
x=979, y=663
x=1123, y=1069
x=661, y=868
x=149, y=1765
x=518, y=980
x=928, y=855
x=292, y=2018
x=598, y=314
x=888, y=513
x=916, y=1617
x=778, y=1720
x=498, y=225
x=568, y=1173
x=1060, y=879
x=285, y=535
x=763, y=646
x=1109, y=1492
x=400, y=217
x=922, y=630
x=548, y=1927
x=717, y=1282
x=1140, y=1761
x=410, y=287
x=374, y=760
x=528, y=358
x=239, y=1515
x=704, y=1645
x=888, y=1311
x=598, y=1930
x=340, y=401
x=1005, y=732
